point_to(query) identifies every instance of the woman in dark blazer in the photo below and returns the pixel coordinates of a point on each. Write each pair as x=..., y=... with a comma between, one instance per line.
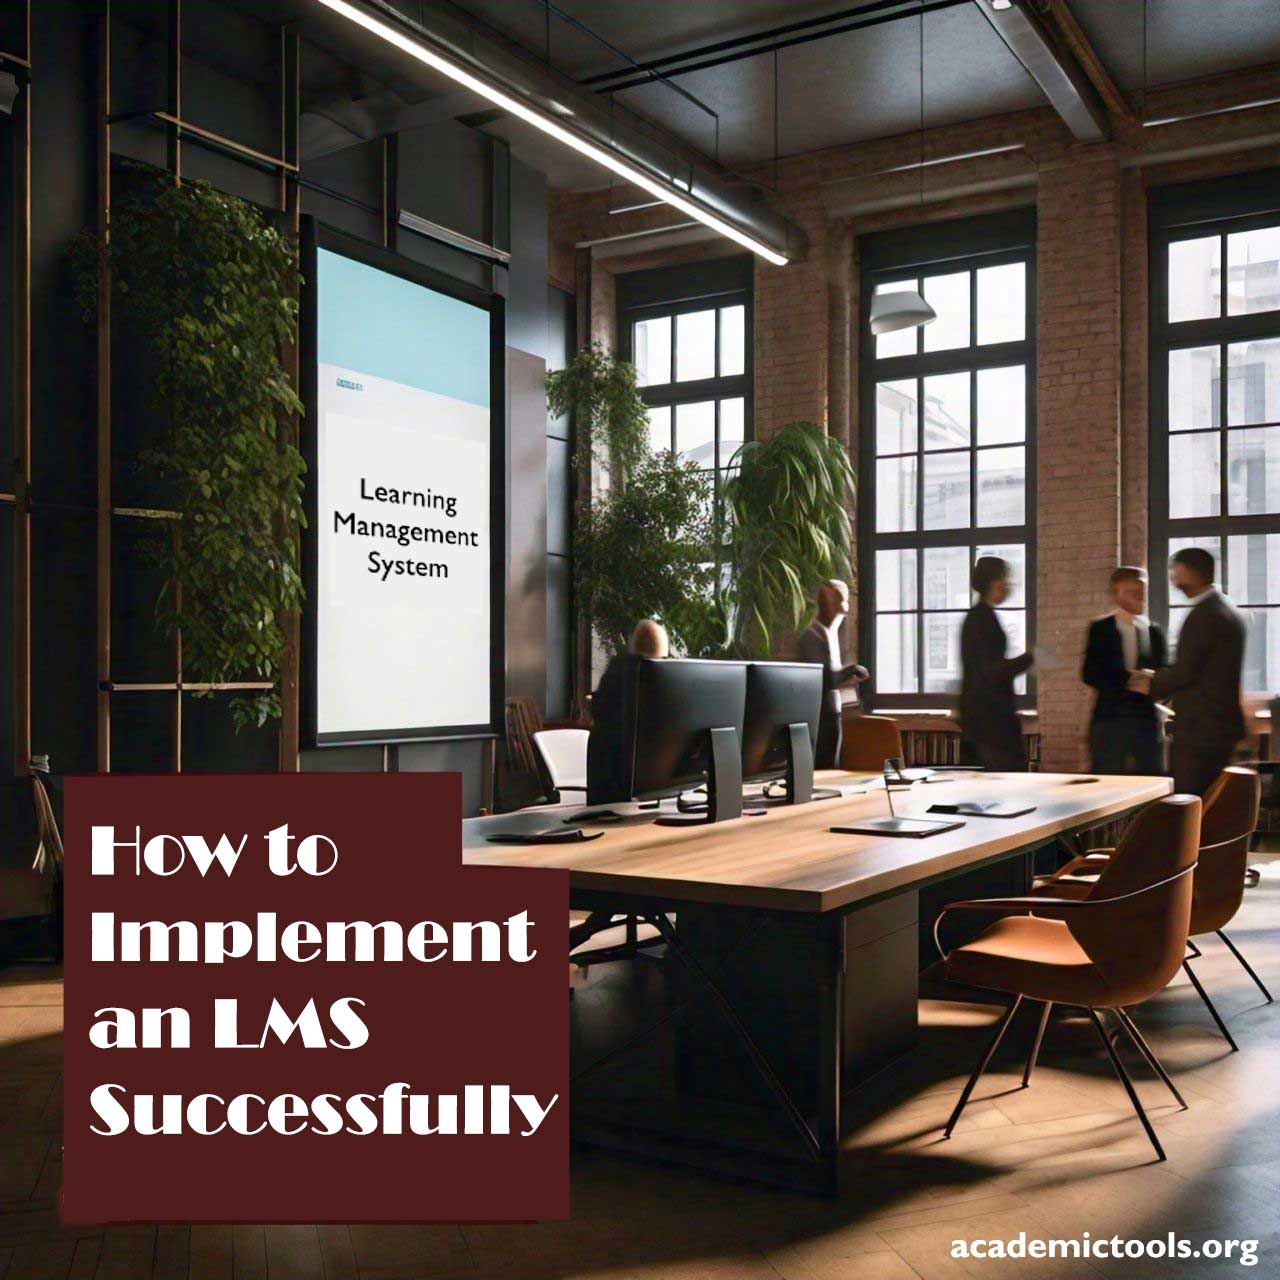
x=988, y=712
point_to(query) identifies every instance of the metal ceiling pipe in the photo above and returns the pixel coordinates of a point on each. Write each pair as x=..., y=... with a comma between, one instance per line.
x=543, y=90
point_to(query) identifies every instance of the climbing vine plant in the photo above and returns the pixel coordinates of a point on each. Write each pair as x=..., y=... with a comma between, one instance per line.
x=210, y=287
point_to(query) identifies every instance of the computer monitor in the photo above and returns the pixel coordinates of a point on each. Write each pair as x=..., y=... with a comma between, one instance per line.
x=688, y=716
x=780, y=727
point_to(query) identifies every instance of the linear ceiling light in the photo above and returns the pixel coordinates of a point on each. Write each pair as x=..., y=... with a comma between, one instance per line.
x=551, y=127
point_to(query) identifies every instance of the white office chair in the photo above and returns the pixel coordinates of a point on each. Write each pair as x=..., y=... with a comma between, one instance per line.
x=563, y=753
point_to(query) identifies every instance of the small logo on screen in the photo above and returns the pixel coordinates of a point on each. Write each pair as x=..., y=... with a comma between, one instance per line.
x=349, y=385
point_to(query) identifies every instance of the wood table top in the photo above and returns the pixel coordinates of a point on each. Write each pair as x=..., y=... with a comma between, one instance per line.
x=788, y=859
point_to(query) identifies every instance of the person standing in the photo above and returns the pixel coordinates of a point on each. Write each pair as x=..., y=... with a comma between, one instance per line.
x=1203, y=684
x=819, y=643
x=988, y=711
x=1126, y=734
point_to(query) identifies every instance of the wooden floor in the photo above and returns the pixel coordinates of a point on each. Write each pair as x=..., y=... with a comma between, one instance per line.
x=1060, y=1158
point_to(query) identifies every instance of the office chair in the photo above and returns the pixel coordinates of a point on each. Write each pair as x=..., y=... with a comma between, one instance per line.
x=562, y=754
x=867, y=742
x=1229, y=817
x=1117, y=947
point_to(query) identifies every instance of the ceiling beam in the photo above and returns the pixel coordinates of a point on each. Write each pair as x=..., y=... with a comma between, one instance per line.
x=1051, y=65
x=1060, y=15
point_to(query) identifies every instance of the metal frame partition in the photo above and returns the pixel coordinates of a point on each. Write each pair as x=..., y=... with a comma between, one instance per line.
x=178, y=133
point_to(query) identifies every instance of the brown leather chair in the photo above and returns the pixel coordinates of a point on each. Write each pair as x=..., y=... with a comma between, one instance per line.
x=1230, y=815
x=1117, y=947
x=867, y=742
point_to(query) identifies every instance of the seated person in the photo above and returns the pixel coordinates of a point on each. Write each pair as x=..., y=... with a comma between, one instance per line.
x=608, y=774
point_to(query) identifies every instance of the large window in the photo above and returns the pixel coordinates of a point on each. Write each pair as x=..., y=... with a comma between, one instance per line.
x=1215, y=399
x=947, y=448
x=688, y=332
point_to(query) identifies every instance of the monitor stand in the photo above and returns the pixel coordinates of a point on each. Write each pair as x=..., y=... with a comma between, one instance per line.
x=798, y=780
x=724, y=783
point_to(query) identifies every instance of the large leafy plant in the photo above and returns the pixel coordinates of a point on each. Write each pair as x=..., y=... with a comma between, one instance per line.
x=788, y=528
x=210, y=287
x=643, y=528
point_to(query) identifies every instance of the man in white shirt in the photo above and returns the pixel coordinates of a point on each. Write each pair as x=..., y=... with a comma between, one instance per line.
x=819, y=642
x=1126, y=734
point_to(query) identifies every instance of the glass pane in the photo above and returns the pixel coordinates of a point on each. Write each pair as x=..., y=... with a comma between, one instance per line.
x=946, y=490
x=696, y=433
x=1002, y=303
x=1211, y=544
x=1253, y=471
x=1253, y=568
x=1253, y=271
x=1262, y=651
x=695, y=346
x=902, y=342
x=946, y=578
x=895, y=580
x=733, y=341
x=1194, y=374
x=651, y=346
x=733, y=418
x=1002, y=405
x=942, y=652
x=1014, y=622
x=660, y=428
x=896, y=653
x=1194, y=268
x=1002, y=486
x=946, y=411
x=1195, y=470
x=1253, y=382
x=949, y=297
x=895, y=495
x=896, y=416
x=1016, y=554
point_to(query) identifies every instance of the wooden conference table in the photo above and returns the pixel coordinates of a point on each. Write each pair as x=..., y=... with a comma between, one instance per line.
x=792, y=960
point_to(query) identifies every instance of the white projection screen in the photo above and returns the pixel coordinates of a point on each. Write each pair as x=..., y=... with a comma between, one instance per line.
x=404, y=546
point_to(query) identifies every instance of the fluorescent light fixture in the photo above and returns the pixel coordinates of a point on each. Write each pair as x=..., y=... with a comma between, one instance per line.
x=999, y=5
x=523, y=111
x=902, y=309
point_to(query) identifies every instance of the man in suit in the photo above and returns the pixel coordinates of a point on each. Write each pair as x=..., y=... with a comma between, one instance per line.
x=1127, y=733
x=819, y=642
x=1204, y=682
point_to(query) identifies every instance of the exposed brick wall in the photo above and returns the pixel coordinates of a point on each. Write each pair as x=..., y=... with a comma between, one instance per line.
x=1092, y=474
x=1077, y=429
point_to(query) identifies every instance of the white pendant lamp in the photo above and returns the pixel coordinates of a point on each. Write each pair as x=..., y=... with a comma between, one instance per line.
x=905, y=308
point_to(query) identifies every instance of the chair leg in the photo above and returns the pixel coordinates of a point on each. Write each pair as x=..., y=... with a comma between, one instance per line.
x=1139, y=1043
x=982, y=1065
x=1247, y=967
x=1118, y=1067
x=1195, y=950
x=1208, y=1004
x=1035, y=1044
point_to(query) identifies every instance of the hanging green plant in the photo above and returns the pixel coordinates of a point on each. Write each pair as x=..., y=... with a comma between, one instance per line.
x=210, y=287
x=787, y=511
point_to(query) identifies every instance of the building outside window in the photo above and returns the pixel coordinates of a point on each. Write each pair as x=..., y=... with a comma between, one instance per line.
x=947, y=448
x=1215, y=399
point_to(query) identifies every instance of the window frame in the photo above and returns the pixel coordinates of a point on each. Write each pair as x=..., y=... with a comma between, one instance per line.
x=684, y=290
x=967, y=245
x=1190, y=211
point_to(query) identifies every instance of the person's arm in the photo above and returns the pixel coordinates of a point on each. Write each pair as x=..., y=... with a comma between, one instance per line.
x=1195, y=644
x=1096, y=672
x=853, y=671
